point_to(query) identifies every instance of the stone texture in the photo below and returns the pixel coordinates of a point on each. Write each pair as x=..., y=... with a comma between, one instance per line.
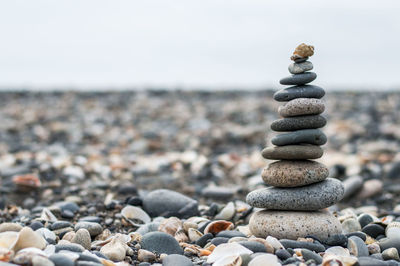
x=302, y=106
x=305, y=91
x=307, y=198
x=292, y=225
x=298, y=68
x=292, y=152
x=298, y=122
x=294, y=173
x=299, y=79
x=309, y=136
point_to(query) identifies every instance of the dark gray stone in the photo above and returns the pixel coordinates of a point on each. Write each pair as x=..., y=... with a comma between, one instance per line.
x=312, y=197
x=389, y=243
x=176, y=260
x=373, y=230
x=299, y=79
x=86, y=257
x=306, y=91
x=93, y=219
x=365, y=219
x=230, y=234
x=298, y=122
x=60, y=224
x=202, y=241
x=361, y=235
x=337, y=240
x=219, y=240
x=253, y=246
x=292, y=152
x=160, y=242
x=304, y=136
x=283, y=254
x=310, y=255
x=93, y=228
x=70, y=247
x=298, y=68
x=61, y=260
x=164, y=202
x=354, y=242
x=371, y=261
x=313, y=246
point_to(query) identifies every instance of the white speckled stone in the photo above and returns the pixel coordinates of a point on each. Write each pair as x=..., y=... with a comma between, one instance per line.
x=302, y=106
x=298, y=68
x=292, y=225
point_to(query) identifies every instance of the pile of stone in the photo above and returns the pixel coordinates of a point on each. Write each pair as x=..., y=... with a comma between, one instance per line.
x=299, y=188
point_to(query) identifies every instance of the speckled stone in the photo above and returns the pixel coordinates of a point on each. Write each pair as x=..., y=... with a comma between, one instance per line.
x=298, y=68
x=292, y=225
x=309, y=136
x=302, y=106
x=299, y=79
x=307, y=198
x=292, y=152
x=298, y=122
x=306, y=91
x=294, y=173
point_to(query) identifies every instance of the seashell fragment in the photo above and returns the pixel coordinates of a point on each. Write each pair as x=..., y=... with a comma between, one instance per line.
x=194, y=234
x=227, y=249
x=265, y=260
x=218, y=226
x=135, y=216
x=232, y=260
x=170, y=226
x=302, y=51
x=28, y=238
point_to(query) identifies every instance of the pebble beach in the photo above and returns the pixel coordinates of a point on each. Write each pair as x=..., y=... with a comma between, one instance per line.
x=161, y=178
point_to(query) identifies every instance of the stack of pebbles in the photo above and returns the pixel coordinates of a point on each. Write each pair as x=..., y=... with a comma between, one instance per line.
x=299, y=189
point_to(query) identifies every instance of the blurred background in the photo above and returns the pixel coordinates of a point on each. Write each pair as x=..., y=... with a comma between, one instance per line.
x=210, y=44
x=178, y=94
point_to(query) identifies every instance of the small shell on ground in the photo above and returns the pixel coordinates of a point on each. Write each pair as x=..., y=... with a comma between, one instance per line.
x=134, y=215
x=218, y=226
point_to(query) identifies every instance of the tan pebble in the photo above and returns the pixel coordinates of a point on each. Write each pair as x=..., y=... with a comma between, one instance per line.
x=232, y=260
x=292, y=152
x=4, y=227
x=146, y=256
x=135, y=237
x=6, y=254
x=162, y=256
x=180, y=236
x=114, y=250
x=370, y=188
x=82, y=237
x=28, y=238
x=374, y=248
x=69, y=236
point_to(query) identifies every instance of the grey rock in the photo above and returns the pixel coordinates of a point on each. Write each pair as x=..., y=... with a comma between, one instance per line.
x=292, y=152
x=60, y=224
x=357, y=247
x=164, y=202
x=202, y=241
x=93, y=228
x=283, y=254
x=365, y=218
x=374, y=230
x=302, y=106
x=312, y=197
x=149, y=227
x=298, y=68
x=230, y=234
x=389, y=243
x=370, y=261
x=351, y=185
x=160, y=242
x=361, y=235
x=305, y=91
x=390, y=254
x=219, y=240
x=61, y=260
x=176, y=260
x=350, y=225
x=304, y=136
x=221, y=193
x=70, y=247
x=337, y=240
x=299, y=79
x=310, y=255
x=314, y=246
x=298, y=122
x=253, y=246
x=82, y=237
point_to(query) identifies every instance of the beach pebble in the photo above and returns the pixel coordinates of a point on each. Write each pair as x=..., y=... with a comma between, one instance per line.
x=265, y=260
x=292, y=152
x=301, y=106
x=292, y=225
x=82, y=237
x=310, y=255
x=160, y=242
x=304, y=136
x=390, y=254
x=176, y=260
x=299, y=79
x=41, y=261
x=230, y=234
x=5, y=227
x=336, y=240
x=145, y=255
x=253, y=246
x=163, y=202
x=351, y=225
x=357, y=247
x=94, y=229
x=294, y=173
x=225, y=250
x=298, y=68
x=298, y=122
x=227, y=212
x=28, y=238
x=374, y=230
x=61, y=260
x=312, y=197
x=351, y=185
x=114, y=250
x=305, y=91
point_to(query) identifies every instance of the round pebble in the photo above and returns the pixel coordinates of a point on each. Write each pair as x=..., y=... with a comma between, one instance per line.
x=160, y=242
x=298, y=122
x=305, y=91
x=298, y=68
x=302, y=106
x=292, y=152
x=176, y=260
x=304, y=136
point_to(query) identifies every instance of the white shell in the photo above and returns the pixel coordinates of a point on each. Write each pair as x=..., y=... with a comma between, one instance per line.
x=226, y=213
x=194, y=234
x=232, y=260
x=227, y=249
x=132, y=214
x=274, y=242
x=265, y=260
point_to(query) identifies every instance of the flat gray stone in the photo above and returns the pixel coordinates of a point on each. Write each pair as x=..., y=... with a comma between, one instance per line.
x=298, y=68
x=160, y=242
x=307, y=198
x=292, y=152
x=299, y=79
x=302, y=106
x=292, y=225
x=294, y=173
x=305, y=91
x=298, y=122
x=309, y=136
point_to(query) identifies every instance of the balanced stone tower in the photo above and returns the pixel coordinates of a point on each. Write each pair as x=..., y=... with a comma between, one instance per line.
x=298, y=189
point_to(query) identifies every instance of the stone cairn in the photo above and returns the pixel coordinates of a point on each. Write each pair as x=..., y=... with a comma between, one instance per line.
x=298, y=189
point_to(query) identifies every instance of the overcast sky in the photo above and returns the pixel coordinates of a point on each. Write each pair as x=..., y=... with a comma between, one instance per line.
x=208, y=43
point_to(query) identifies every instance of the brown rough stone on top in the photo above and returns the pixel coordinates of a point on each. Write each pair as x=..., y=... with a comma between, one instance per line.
x=292, y=152
x=302, y=51
x=294, y=173
x=302, y=106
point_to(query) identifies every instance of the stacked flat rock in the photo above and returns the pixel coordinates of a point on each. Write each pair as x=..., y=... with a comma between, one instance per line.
x=298, y=188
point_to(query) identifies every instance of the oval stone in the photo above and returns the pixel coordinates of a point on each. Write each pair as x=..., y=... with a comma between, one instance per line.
x=302, y=106
x=298, y=122
x=307, y=198
x=305, y=91
x=292, y=225
x=310, y=136
x=298, y=68
x=292, y=152
x=299, y=79
x=294, y=173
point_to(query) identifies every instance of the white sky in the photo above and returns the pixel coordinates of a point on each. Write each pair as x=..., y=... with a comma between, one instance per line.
x=208, y=43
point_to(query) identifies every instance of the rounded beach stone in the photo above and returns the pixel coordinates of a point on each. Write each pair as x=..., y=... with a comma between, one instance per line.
x=160, y=242
x=292, y=152
x=309, y=136
x=298, y=122
x=305, y=91
x=298, y=68
x=302, y=106
x=307, y=198
x=299, y=79
x=294, y=173
x=292, y=225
